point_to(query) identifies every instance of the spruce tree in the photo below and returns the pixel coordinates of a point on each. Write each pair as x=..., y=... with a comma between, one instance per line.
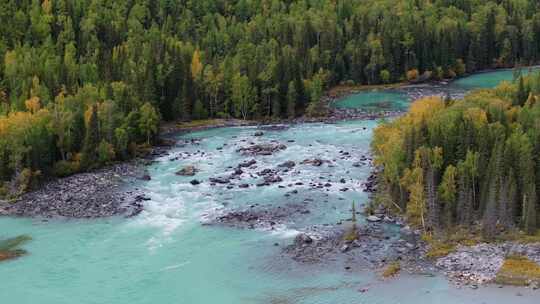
x=91, y=140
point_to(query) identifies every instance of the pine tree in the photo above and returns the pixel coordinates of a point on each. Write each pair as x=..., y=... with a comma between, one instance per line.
x=494, y=195
x=292, y=98
x=530, y=210
x=91, y=140
x=448, y=194
x=522, y=93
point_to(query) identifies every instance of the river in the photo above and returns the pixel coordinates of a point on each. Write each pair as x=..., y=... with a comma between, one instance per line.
x=167, y=255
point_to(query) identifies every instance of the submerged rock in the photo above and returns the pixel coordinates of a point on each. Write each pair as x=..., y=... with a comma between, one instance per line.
x=187, y=171
x=146, y=177
x=220, y=180
x=314, y=162
x=9, y=249
x=288, y=164
x=247, y=163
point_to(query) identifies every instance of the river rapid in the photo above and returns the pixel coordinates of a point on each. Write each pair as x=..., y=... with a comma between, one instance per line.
x=168, y=253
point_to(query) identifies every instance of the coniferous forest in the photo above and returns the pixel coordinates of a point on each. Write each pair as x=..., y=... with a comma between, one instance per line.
x=473, y=161
x=85, y=82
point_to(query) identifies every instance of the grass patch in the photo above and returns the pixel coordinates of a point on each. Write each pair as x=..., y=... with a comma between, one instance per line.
x=521, y=237
x=392, y=269
x=441, y=246
x=519, y=271
x=439, y=250
x=199, y=123
x=351, y=234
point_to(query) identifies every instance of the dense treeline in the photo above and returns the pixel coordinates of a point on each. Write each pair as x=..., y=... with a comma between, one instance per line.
x=473, y=161
x=82, y=82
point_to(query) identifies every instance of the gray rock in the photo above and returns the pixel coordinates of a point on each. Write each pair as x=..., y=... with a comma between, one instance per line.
x=187, y=171
x=373, y=218
x=288, y=164
x=303, y=238
x=220, y=180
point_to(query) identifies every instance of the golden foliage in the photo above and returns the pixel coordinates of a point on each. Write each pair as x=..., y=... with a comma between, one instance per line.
x=477, y=116
x=196, y=65
x=412, y=74
x=423, y=110
x=33, y=104
x=413, y=181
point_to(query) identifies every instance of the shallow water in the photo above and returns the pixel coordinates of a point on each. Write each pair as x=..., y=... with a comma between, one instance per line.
x=165, y=255
x=377, y=100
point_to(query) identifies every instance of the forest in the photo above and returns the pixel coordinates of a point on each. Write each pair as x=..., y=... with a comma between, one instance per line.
x=87, y=82
x=471, y=162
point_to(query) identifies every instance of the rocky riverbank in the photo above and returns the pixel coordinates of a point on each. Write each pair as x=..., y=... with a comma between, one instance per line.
x=101, y=193
x=480, y=264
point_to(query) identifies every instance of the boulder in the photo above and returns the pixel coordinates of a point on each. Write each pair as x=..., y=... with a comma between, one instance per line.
x=373, y=219
x=146, y=177
x=219, y=180
x=262, y=149
x=187, y=171
x=273, y=179
x=303, y=238
x=247, y=164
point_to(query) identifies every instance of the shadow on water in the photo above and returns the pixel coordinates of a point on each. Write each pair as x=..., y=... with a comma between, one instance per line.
x=9, y=248
x=296, y=295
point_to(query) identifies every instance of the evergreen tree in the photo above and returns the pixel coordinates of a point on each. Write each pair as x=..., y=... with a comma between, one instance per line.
x=91, y=140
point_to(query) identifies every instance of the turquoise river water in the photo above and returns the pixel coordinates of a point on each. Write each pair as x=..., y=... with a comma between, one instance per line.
x=166, y=254
x=376, y=100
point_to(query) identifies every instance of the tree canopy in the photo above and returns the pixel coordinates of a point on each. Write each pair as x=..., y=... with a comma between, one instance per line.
x=465, y=162
x=61, y=60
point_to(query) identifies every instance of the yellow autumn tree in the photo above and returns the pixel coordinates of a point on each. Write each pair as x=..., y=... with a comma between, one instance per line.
x=196, y=65
x=33, y=104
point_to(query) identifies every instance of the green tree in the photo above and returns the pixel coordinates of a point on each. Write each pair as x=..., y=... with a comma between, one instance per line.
x=243, y=96
x=149, y=121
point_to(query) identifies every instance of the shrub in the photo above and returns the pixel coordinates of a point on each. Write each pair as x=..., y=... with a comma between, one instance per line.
x=3, y=190
x=316, y=109
x=451, y=74
x=412, y=75
x=461, y=68
x=27, y=180
x=439, y=73
x=385, y=76
x=105, y=152
x=66, y=168
x=392, y=269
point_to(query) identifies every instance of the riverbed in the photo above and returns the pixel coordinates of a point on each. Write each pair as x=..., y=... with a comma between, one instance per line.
x=168, y=253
